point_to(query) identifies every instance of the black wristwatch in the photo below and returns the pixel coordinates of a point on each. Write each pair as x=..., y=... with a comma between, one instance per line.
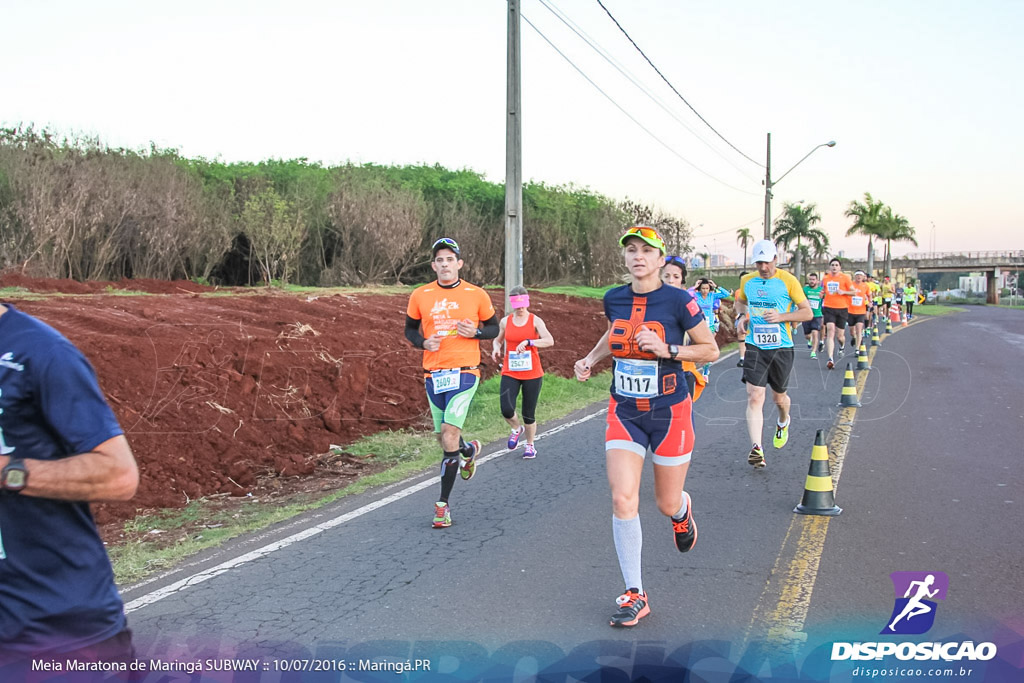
x=14, y=476
x=673, y=349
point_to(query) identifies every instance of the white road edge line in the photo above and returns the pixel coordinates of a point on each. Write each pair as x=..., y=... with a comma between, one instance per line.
x=200, y=577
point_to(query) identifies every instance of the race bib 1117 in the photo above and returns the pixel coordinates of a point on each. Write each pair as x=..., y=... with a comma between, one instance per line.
x=636, y=378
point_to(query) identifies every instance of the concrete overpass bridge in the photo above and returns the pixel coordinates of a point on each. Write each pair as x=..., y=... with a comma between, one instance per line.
x=992, y=263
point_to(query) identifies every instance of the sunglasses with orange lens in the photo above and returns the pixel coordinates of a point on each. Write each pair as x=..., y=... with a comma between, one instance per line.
x=649, y=233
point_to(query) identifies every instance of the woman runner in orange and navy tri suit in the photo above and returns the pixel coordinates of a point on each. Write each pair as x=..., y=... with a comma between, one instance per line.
x=650, y=404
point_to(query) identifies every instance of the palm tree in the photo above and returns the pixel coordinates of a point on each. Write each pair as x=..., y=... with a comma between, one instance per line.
x=894, y=228
x=706, y=261
x=796, y=226
x=866, y=221
x=808, y=253
x=802, y=255
x=743, y=238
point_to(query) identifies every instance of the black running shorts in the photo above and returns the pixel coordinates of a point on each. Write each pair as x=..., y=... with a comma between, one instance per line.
x=812, y=324
x=857, y=318
x=768, y=367
x=837, y=316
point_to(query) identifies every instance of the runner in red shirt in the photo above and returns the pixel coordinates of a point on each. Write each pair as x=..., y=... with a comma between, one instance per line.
x=523, y=333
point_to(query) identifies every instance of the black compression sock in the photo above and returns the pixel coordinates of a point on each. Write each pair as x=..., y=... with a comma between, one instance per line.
x=449, y=469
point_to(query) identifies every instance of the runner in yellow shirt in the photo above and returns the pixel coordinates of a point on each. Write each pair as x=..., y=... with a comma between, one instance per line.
x=910, y=297
x=887, y=292
x=876, y=299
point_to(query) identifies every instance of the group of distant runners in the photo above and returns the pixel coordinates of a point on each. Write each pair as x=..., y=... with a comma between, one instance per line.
x=661, y=338
x=839, y=302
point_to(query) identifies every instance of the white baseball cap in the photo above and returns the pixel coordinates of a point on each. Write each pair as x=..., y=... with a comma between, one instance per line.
x=764, y=250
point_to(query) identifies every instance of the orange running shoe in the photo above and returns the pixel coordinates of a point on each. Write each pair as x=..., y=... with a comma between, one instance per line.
x=633, y=607
x=685, y=529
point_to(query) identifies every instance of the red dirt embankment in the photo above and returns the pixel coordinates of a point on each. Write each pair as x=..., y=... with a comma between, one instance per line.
x=216, y=392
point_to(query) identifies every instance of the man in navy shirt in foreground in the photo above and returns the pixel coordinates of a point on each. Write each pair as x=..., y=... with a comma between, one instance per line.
x=60, y=449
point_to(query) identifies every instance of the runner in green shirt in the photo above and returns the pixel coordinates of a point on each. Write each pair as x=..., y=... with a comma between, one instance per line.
x=812, y=328
x=909, y=297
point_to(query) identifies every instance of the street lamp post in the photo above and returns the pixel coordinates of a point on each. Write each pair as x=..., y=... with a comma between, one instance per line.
x=769, y=184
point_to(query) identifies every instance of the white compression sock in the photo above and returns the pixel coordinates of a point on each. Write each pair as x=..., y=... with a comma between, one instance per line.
x=682, y=508
x=629, y=541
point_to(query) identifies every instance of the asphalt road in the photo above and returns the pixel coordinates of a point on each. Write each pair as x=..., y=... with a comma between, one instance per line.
x=934, y=480
x=931, y=480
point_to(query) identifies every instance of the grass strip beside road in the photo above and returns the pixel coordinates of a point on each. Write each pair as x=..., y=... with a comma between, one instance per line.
x=578, y=290
x=14, y=293
x=403, y=453
x=936, y=309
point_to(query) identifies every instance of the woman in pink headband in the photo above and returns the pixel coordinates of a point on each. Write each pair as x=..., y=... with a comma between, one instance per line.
x=522, y=333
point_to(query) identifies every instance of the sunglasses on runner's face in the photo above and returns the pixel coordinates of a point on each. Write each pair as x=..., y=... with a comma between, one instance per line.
x=445, y=243
x=675, y=260
x=649, y=233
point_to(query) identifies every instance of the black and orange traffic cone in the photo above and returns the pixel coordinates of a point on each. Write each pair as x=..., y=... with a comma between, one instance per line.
x=862, y=357
x=849, y=397
x=819, y=498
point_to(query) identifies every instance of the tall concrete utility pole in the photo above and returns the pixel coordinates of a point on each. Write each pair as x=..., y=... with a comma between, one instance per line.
x=768, y=184
x=768, y=191
x=513, y=162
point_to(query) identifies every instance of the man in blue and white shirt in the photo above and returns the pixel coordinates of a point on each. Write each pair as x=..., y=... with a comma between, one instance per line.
x=769, y=295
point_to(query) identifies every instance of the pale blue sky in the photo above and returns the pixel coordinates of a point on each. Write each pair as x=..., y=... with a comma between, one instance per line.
x=923, y=98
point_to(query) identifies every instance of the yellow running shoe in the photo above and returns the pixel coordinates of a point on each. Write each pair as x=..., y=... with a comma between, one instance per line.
x=781, y=435
x=467, y=464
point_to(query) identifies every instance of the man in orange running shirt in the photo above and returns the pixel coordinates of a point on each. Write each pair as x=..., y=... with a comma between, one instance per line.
x=858, y=310
x=447, y=319
x=838, y=287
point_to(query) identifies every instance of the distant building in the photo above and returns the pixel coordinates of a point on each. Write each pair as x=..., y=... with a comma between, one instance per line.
x=978, y=282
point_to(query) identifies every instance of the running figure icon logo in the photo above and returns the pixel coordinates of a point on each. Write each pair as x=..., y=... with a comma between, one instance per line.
x=914, y=609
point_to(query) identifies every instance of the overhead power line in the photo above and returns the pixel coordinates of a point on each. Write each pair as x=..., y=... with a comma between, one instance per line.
x=551, y=7
x=630, y=116
x=658, y=71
